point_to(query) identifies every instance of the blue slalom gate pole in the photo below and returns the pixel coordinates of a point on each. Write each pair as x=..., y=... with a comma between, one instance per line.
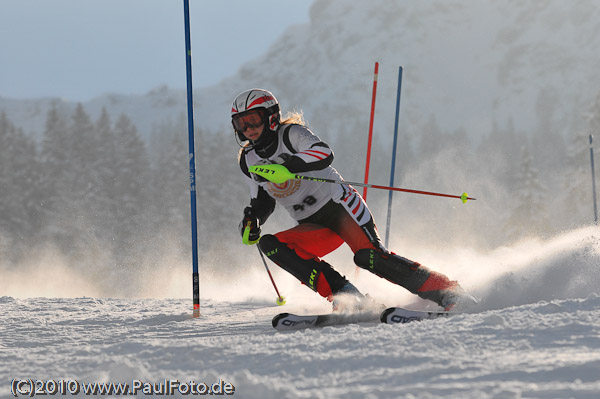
x=593, y=178
x=192, y=159
x=391, y=193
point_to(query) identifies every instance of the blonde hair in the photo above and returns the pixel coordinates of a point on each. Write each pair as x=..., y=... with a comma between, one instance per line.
x=294, y=117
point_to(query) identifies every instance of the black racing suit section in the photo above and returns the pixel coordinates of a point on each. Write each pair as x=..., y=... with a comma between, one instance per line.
x=263, y=205
x=297, y=165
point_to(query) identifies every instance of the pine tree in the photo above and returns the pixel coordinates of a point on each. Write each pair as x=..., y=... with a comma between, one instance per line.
x=131, y=181
x=498, y=151
x=547, y=139
x=84, y=155
x=106, y=201
x=54, y=160
x=9, y=198
x=18, y=178
x=70, y=181
x=576, y=180
x=593, y=122
x=593, y=117
x=169, y=192
x=219, y=204
x=576, y=185
x=170, y=182
x=529, y=215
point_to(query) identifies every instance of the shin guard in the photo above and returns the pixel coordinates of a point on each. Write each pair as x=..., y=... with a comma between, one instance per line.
x=411, y=275
x=318, y=275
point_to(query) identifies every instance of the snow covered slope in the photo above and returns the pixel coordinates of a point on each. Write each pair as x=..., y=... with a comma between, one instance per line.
x=535, y=335
x=539, y=350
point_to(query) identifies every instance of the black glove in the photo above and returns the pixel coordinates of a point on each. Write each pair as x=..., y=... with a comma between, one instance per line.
x=259, y=178
x=249, y=217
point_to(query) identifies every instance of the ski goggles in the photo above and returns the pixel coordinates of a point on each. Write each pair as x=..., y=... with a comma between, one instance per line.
x=249, y=119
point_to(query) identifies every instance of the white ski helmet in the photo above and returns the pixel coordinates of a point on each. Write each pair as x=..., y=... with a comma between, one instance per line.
x=255, y=100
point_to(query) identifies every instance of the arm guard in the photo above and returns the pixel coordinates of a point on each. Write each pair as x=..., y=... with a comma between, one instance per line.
x=310, y=153
x=262, y=206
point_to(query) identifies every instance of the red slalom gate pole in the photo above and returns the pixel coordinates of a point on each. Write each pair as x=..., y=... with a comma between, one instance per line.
x=375, y=75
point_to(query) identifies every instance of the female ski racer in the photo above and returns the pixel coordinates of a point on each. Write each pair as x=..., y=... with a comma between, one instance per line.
x=327, y=214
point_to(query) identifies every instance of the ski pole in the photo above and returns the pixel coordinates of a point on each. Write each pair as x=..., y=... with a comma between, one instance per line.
x=280, y=299
x=245, y=240
x=279, y=174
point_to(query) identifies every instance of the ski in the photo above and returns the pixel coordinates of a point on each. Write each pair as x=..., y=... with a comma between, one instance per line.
x=397, y=315
x=289, y=321
x=393, y=315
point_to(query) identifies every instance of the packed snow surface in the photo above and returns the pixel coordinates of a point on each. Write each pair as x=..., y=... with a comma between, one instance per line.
x=535, y=334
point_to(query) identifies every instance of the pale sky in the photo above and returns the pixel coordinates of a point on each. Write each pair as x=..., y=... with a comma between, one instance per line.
x=80, y=49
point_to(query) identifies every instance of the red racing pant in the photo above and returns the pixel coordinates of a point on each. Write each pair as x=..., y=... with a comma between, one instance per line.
x=298, y=250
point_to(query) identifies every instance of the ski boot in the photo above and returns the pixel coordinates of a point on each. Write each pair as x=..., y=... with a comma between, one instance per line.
x=350, y=300
x=456, y=299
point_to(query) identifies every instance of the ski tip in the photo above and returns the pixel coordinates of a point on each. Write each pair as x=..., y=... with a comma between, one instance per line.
x=384, y=315
x=275, y=321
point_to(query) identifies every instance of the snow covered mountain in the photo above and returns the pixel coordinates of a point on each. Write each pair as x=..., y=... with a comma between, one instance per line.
x=469, y=64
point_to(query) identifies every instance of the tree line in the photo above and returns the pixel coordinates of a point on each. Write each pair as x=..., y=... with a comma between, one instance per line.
x=98, y=188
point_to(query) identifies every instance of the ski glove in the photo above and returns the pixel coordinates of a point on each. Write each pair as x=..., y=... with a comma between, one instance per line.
x=279, y=159
x=250, y=220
